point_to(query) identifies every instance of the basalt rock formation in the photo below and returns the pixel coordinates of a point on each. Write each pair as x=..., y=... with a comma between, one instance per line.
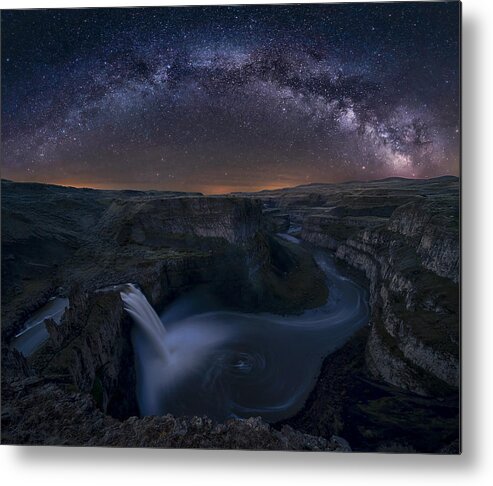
x=64, y=418
x=412, y=265
x=80, y=383
x=153, y=222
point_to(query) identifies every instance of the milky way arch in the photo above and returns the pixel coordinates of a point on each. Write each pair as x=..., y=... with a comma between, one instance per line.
x=230, y=98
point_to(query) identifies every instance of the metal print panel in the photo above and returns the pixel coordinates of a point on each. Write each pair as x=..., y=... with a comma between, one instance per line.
x=232, y=227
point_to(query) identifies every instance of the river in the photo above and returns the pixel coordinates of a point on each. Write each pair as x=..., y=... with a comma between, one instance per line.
x=34, y=332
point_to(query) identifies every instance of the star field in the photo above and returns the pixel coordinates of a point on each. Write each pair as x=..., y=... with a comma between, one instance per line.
x=219, y=99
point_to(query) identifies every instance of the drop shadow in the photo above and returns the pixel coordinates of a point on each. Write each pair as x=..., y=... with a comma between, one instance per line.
x=470, y=227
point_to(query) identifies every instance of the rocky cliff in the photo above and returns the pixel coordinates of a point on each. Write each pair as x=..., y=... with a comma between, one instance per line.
x=412, y=265
x=83, y=375
x=153, y=222
x=403, y=236
x=64, y=418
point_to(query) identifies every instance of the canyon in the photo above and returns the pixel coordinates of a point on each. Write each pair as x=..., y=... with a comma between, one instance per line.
x=393, y=386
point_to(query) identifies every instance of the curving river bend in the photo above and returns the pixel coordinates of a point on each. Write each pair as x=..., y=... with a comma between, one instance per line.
x=200, y=360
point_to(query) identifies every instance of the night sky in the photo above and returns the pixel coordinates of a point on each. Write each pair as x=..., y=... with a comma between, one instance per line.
x=219, y=99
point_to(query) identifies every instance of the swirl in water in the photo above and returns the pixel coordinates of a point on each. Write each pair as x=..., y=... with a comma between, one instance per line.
x=224, y=364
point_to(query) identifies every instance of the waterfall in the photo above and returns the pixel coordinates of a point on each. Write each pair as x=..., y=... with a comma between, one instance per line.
x=145, y=317
x=220, y=363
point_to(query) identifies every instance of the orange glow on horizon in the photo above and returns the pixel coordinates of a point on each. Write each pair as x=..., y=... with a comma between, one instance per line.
x=207, y=189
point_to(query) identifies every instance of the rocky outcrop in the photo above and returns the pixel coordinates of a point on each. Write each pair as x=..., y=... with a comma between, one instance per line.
x=329, y=231
x=434, y=227
x=38, y=413
x=91, y=351
x=386, y=361
x=414, y=341
x=154, y=222
x=423, y=350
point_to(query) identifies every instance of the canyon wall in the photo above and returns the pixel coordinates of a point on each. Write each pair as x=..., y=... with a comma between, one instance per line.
x=410, y=257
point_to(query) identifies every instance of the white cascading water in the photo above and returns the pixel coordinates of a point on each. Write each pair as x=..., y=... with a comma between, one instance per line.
x=135, y=303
